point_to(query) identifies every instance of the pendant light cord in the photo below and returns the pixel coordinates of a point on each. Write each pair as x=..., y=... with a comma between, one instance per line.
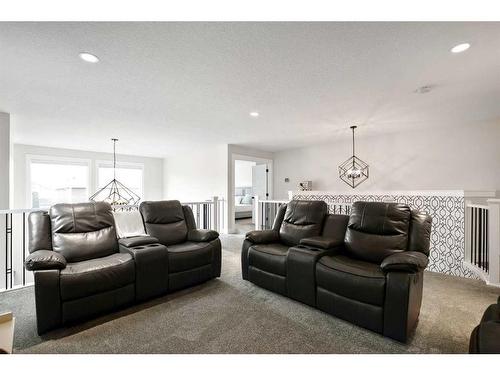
x=114, y=157
x=353, y=149
x=353, y=153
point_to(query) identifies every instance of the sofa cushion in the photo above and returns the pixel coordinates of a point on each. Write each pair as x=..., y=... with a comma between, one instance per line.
x=302, y=219
x=351, y=278
x=377, y=230
x=81, y=279
x=165, y=220
x=269, y=257
x=189, y=255
x=83, y=231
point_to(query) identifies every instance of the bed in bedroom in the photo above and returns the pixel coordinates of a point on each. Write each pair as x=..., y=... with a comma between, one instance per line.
x=243, y=203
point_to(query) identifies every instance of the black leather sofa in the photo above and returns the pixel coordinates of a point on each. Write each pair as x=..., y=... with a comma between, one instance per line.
x=81, y=269
x=366, y=268
x=485, y=338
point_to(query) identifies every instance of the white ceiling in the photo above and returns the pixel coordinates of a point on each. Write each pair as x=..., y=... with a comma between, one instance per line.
x=161, y=87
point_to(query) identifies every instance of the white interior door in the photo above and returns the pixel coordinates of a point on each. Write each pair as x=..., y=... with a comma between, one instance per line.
x=260, y=182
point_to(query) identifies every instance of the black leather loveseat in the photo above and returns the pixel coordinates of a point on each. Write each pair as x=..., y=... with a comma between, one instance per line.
x=81, y=269
x=366, y=268
x=485, y=338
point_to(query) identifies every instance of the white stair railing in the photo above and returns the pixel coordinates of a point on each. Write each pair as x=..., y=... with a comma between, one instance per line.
x=482, y=235
x=265, y=212
x=208, y=214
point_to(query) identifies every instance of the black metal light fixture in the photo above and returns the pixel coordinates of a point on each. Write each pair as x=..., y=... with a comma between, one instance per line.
x=115, y=193
x=354, y=170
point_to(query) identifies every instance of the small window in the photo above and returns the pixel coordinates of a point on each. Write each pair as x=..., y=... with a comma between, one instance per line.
x=54, y=180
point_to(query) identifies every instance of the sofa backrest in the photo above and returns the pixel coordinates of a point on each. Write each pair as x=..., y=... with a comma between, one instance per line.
x=335, y=227
x=165, y=220
x=377, y=230
x=302, y=219
x=83, y=231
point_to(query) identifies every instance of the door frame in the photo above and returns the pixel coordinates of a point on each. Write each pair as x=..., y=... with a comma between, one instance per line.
x=230, y=198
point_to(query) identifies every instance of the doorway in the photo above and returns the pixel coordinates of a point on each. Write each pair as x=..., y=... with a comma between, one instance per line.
x=251, y=179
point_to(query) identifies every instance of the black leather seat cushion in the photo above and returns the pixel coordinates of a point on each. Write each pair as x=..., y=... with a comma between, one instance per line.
x=189, y=255
x=269, y=257
x=351, y=278
x=82, y=279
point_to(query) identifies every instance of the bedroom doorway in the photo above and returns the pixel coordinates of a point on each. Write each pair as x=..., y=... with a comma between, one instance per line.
x=251, y=179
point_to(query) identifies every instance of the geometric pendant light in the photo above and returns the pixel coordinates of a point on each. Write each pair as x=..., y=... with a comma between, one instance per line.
x=115, y=193
x=354, y=170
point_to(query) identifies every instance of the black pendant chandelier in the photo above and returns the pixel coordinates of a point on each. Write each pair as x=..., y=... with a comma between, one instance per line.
x=354, y=170
x=115, y=193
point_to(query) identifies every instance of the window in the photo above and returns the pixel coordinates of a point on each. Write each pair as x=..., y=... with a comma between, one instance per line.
x=57, y=180
x=129, y=174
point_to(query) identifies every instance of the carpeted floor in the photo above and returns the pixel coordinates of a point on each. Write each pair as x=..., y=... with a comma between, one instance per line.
x=242, y=226
x=229, y=315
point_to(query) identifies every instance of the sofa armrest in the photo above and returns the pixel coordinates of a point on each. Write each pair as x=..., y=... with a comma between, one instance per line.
x=45, y=260
x=137, y=241
x=320, y=242
x=484, y=338
x=407, y=261
x=202, y=235
x=263, y=236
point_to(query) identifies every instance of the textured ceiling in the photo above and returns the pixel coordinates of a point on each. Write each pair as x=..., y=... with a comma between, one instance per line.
x=162, y=87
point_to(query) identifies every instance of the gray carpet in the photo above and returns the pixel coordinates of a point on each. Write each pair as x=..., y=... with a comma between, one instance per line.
x=229, y=315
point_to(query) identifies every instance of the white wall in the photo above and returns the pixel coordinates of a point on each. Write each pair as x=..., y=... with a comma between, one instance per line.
x=205, y=171
x=153, y=169
x=4, y=160
x=196, y=174
x=463, y=159
x=243, y=173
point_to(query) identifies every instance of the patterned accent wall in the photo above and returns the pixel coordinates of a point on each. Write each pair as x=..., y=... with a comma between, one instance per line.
x=448, y=222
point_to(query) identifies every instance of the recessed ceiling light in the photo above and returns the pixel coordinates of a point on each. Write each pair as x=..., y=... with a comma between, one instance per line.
x=88, y=57
x=254, y=114
x=460, y=48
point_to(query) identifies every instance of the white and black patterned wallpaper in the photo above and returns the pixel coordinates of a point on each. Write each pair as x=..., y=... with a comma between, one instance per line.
x=448, y=223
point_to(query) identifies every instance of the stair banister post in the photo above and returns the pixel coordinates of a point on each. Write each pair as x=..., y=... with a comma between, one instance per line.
x=257, y=212
x=494, y=241
x=216, y=213
x=468, y=224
